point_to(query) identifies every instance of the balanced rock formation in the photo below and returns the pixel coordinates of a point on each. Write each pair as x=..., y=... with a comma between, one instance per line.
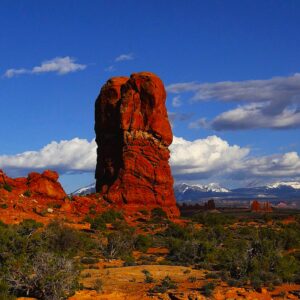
x=133, y=134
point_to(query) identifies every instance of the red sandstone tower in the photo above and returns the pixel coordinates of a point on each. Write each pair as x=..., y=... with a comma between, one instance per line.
x=133, y=134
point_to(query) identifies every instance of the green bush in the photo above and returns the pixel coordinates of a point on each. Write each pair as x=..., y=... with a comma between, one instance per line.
x=158, y=214
x=63, y=239
x=166, y=284
x=7, y=187
x=27, y=193
x=177, y=231
x=28, y=226
x=148, y=276
x=128, y=260
x=208, y=289
x=143, y=242
x=99, y=222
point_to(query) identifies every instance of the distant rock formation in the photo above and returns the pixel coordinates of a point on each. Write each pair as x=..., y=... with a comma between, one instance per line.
x=133, y=134
x=210, y=205
x=260, y=206
x=44, y=185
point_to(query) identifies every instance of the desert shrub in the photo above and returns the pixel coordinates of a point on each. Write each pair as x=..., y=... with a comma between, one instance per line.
x=27, y=193
x=128, y=260
x=184, y=252
x=177, y=231
x=63, y=239
x=143, y=242
x=28, y=226
x=208, y=289
x=148, y=276
x=119, y=244
x=290, y=236
x=158, y=214
x=110, y=216
x=37, y=261
x=188, y=252
x=48, y=277
x=287, y=268
x=166, y=284
x=7, y=187
x=3, y=205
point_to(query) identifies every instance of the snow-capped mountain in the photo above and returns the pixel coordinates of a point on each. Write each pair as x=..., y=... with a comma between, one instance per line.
x=276, y=191
x=85, y=190
x=211, y=187
x=184, y=192
x=292, y=184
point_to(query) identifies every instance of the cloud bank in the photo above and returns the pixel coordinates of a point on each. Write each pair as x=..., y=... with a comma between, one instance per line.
x=271, y=103
x=207, y=158
x=59, y=65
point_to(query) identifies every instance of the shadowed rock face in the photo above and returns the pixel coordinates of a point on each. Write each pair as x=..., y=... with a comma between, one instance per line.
x=133, y=134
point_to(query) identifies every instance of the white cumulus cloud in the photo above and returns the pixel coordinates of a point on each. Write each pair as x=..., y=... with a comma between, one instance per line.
x=59, y=65
x=76, y=155
x=204, y=157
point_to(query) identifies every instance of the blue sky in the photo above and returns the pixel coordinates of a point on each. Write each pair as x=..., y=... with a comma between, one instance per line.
x=232, y=66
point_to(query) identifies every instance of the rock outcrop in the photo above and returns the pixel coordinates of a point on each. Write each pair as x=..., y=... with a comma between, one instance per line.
x=133, y=134
x=44, y=185
x=261, y=207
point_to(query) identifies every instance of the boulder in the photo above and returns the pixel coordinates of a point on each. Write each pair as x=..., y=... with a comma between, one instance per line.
x=46, y=184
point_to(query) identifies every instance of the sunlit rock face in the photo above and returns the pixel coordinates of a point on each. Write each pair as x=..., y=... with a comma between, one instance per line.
x=133, y=134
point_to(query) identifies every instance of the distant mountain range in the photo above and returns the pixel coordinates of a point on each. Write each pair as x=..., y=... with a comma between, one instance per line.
x=90, y=189
x=275, y=191
x=280, y=191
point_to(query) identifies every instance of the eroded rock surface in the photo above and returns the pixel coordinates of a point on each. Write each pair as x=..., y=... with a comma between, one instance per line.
x=133, y=134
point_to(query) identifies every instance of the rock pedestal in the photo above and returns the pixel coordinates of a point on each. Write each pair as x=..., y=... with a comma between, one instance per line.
x=133, y=134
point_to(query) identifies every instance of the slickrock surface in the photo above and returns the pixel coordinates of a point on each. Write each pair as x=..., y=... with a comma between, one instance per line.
x=133, y=134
